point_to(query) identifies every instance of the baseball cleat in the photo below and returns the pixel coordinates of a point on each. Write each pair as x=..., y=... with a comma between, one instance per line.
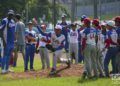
x=53, y=71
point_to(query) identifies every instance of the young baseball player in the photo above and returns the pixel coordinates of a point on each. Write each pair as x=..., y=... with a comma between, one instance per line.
x=30, y=36
x=117, y=24
x=57, y=42
x=87, y=47
x=73, y=42
x=98, y=57
x=111, y=45
x=8, y=27
x=89, y=44
x=44, y=54
x=80, y=56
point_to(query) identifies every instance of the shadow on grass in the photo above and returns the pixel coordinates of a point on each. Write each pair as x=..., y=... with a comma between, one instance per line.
x=57, y=73
x=82, y=81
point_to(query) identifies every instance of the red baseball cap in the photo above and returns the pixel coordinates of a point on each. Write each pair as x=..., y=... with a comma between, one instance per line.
x=96, y=22
x=117, y=19
x=87, y=21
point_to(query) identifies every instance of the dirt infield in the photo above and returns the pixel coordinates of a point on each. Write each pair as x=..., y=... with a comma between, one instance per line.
x=74, y=70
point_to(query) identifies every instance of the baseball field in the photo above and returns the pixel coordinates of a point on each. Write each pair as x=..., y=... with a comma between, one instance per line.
x=65, y=76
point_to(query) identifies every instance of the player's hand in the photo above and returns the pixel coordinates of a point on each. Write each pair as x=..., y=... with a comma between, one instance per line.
x=34, y=21
x=103, y=49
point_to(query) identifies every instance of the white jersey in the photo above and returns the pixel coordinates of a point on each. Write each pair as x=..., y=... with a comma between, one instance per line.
x=89, y=34
x=57, y=41
x=41, y=42
x=73, y=36
x=101, y=42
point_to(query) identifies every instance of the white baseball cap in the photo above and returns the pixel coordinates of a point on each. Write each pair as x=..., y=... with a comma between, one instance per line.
x=111, y=23
x=58, y=27
x=63, y=15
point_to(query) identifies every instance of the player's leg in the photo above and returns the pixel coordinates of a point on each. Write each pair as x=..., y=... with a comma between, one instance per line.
x=100, y=63
x=76, y=52
x=106, y=62
x=113, y=58
x=8, y=55
x=94, y=60
x=87, y=61
x=46, y=55
x=15, y=55
x=23, y=51
x=32, y=53
x=42, y=57
x=80, y=57
x=26, y=59
x=71, y=51
x=56, y=55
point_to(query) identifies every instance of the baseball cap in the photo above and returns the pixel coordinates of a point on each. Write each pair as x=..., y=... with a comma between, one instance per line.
x=30, y=22
x=95, y=22
x=87, y=21
x=10, y=12
x=58, y=27
x=111, y=23
x=117, y=19
x=63, y=15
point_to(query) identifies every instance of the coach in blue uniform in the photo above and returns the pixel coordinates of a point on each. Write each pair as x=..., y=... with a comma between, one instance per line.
x=65, y=31
x=30, y=47
x=8, y=27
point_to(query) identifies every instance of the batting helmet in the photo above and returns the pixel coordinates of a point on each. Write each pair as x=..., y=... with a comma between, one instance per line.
x=117, y=19
x=87, y=21
x=95, y=22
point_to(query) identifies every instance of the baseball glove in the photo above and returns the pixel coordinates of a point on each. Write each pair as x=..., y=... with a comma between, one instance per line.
x=50, y=47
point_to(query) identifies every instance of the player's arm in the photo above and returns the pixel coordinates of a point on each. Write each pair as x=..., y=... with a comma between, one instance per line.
x=84, y=39
x=61, y=46
x=3, y=25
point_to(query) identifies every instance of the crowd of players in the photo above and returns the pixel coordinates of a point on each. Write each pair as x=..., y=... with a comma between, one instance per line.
x=95, y=43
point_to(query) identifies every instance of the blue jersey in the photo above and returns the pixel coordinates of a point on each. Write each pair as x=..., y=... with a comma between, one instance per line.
x=64, y=29
x=8, y=27
x=29, y=33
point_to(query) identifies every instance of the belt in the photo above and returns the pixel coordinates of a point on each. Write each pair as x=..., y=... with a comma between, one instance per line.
x=42, y=47
x=29, y=44
x=113, y=46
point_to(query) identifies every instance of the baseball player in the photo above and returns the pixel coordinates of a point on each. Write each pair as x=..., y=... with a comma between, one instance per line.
x=73, y=42
x=65, y=33
x=98, y=57
x=102, y=39
x=44, y=54
x=8, y=27
x=86, y=48
x=111, y=45
x=30, y=36
x=117, y=24
x=89, y=43
x=80, y=56
x=57, y=42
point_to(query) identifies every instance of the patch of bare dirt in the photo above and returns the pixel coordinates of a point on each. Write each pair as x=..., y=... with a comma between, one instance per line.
x=62, y=71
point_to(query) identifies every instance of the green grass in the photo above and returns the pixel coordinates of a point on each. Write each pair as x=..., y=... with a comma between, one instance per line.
x=60, y=81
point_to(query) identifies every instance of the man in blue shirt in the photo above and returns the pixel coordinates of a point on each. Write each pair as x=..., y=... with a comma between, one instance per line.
x=8, y=28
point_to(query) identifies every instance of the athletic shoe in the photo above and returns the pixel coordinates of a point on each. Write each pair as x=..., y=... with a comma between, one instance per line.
x=32, y=69
x=68, y=63
x=53, y=71
x=26, y=70
x=3, y=72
